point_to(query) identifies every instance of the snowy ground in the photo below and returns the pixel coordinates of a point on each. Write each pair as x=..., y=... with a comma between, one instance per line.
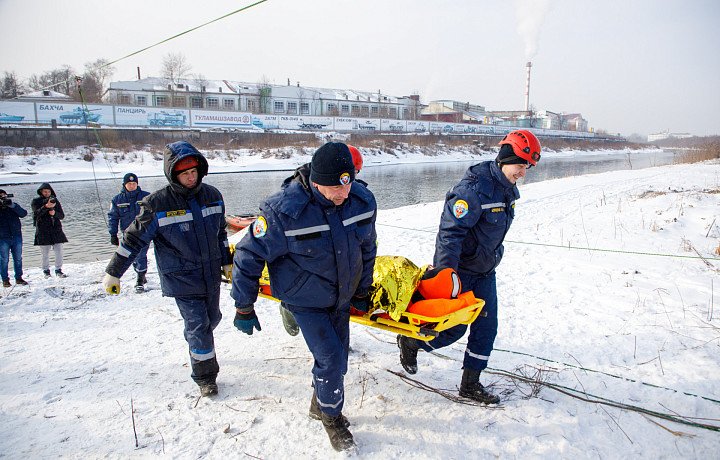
x=88, y=375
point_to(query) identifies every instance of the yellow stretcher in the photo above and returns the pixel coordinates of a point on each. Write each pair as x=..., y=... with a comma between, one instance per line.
x=410, y=324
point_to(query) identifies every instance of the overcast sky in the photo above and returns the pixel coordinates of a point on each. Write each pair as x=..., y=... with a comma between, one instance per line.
x=629, y=66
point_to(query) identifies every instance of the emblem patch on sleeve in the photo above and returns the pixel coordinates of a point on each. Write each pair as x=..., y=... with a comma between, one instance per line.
x=460, y=208
x=259, y=227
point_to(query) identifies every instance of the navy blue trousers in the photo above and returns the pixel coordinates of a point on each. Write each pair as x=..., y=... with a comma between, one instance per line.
x=11, y=246
x=201, y=316
x=482, y=331
x=327, y=335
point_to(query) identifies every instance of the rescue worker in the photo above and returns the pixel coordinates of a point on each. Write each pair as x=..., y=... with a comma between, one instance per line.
x=124, y=208
x=476, y=217
x=301, y=175
x=186, y=222
x=358, y=162
x=317, y=236
x=47, y=216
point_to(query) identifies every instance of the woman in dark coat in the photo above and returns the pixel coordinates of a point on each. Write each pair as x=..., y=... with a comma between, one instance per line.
x=47, y=214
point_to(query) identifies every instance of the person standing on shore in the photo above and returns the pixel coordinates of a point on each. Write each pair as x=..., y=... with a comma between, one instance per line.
x=124, y=208
x=11, y=238
x=47, y=218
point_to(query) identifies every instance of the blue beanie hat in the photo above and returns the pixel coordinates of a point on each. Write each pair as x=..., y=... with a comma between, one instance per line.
x=332, y=164
x=129, y=177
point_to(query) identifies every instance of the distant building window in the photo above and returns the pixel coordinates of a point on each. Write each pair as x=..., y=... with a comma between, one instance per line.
x=196, y=102
x=305, y=108
x=141, y=100
x=393, y=112
x=374, y=110
x=279, y=107
x=365, y=111
x=355, y=110
x=292, y=107
x=124, y=99
x=406, y=114
x=251, y=106
x=229, y=104
x=179, y=101
x=344, y=109
x=332, y=109
x=212, y=103
x=162, y=101
x=383, y=111
x=180, y=86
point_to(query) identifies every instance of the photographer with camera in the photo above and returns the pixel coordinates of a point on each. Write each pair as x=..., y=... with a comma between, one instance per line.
x=10, y=238
x=47, y=214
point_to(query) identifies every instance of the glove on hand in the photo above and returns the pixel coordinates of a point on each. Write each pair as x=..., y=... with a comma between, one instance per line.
x=361, y=303
x=245, y=322
x=114, y=240
x=111, y=284
x=227, y=271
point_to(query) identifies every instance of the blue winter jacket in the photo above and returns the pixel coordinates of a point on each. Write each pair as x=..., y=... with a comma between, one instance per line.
x=477, y=214
x=10, y=221
x=187, y=227
x=125, y=206
x=318, y=255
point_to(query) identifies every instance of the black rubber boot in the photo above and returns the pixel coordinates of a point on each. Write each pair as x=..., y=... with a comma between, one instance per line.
x=340, y=437
x=291, y=326
x=408, y=353
x=204, y=373
x=140, y=283
x=316, y=414
x=471, y=388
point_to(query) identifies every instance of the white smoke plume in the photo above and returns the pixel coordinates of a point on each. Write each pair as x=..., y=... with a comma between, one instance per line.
x=530, y=15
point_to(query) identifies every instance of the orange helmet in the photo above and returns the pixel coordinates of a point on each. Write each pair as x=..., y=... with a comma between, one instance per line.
x=524, y=144
x=357, y=157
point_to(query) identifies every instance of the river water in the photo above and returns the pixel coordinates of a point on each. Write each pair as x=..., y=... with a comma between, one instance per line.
x=86, y=202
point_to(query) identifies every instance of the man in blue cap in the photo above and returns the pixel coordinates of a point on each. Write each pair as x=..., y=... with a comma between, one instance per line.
x=123, y=210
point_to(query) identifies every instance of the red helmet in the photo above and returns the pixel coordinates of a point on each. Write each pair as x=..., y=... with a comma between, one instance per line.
x=357, y=157
x=524, y=144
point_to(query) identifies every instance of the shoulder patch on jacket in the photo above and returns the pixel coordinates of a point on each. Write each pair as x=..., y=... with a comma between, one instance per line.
x=460, y=209
x=259, y=227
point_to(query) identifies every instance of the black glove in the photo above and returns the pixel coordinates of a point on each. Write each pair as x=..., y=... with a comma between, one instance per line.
x=114, y=240
x=361, y=303
x=245, y=322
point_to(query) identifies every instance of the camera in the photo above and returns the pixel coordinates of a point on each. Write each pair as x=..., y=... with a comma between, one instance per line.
x=52, y=200
x=6, y=201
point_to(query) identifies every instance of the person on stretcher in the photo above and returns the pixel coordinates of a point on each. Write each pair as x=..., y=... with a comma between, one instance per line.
x=399, y=286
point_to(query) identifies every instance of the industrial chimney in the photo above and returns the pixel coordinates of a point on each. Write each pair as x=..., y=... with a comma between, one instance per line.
x=527, y=88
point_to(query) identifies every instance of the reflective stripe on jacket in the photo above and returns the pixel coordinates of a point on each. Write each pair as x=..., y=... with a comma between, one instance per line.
x=318, y=255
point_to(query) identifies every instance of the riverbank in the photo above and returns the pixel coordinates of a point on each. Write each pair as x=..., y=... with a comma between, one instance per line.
x=22, y=166
x=607, y=292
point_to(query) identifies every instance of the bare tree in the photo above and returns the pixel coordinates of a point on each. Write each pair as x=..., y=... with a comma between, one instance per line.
x=101, y=73
x=91, y=89
x=59, y=80
x=11, y=86
x=265, y=93
x=174, y=67
x=202, y=83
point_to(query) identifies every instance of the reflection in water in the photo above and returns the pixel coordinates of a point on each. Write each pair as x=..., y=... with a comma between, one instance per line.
x=86, y=204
